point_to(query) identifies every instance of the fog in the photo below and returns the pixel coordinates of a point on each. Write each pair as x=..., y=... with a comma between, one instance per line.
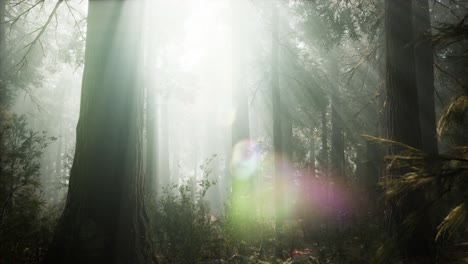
x=204, y=65
x=271, y=122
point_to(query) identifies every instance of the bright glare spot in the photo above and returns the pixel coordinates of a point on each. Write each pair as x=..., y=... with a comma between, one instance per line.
x=245, y=160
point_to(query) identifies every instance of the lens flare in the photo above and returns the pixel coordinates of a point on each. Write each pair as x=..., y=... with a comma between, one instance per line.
x=245, y=160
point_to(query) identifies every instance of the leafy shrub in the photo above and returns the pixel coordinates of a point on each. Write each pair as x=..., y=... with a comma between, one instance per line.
x=184, y=229
x=24, y=229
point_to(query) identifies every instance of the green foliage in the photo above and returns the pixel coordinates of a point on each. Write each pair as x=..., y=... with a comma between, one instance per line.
x=248, y=234
x=450, y=34
x=443, y=181
x=184, y=228
x=332, y=21
x=24, y=230
x=453, y=117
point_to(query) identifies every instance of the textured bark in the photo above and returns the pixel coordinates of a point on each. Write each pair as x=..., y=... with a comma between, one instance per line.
x=104, y=220
x=424, y=70
x=402, y=112
x=402, y=119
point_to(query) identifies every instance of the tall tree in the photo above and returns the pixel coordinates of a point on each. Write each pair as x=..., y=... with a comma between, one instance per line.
x=277, y=127
x=240, y=127
x=337, y=158
x=402, y=120
x=3, y=87
x=2, y=67
x=311, y=164
x=337, y=138
x=152, y=157
x=151, y=139
x=424, y=70
x=104, y=220
x=402, y=112
x=240, y=130
x=324, y=139
x=164, y=172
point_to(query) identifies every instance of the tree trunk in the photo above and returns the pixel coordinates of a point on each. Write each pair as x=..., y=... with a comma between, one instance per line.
x=277, y=127
x=402, y=112
x=311, y=166
x=287, y=136
x=337, y=139
x=372, y=166
x=424, y=70
x=240, y=127
x=152, y=160
x=3, y=87
x=402, y=118
x=2, y=45
x=163, y=142
x=324, y=150
x=104, y=220
x=152, y=135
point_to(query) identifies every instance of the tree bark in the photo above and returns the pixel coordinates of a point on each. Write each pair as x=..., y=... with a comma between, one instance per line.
x=104, y=220
x=402, y=112
x=424, y=70
x=402, y=120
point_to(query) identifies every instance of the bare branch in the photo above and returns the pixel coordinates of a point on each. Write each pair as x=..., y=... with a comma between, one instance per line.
x=31, y=45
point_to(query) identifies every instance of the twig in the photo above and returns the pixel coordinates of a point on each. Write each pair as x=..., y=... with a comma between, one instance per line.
x=31, y=45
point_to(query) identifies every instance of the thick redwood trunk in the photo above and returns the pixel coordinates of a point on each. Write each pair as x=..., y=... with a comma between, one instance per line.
x=402, y=112
x=104, y=220
x=424, y=70
x=402, y=120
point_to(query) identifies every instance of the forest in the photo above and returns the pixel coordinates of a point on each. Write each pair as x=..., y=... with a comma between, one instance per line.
x=233, y=131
